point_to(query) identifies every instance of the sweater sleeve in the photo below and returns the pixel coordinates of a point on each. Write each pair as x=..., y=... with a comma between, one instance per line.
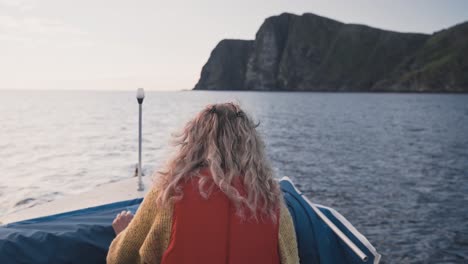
x=126, y=246
x=287, y=242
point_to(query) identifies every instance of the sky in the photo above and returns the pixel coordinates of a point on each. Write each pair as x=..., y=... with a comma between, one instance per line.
x=163, y=45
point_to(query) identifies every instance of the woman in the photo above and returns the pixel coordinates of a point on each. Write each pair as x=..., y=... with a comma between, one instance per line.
x=216, y=201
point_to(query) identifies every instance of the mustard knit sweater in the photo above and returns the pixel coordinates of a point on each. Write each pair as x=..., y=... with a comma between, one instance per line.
x=148, y=236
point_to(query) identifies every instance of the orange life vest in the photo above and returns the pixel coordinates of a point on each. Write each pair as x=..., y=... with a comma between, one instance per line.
x=208, y=231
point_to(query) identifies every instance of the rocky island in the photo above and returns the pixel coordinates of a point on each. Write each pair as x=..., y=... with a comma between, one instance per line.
x=314, y=53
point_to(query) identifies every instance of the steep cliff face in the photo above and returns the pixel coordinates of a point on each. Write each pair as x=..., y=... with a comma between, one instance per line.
x=264, y=61
x=225, y=69
x=313, y=53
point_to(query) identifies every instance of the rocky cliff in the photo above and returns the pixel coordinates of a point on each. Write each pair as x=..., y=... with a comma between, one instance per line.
x=313, y=53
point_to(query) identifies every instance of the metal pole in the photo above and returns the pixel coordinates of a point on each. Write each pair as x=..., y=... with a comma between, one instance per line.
x=140, y=97
x=140, y=183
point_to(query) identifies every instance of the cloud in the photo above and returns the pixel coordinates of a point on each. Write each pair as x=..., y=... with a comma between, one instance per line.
x=26, y=29
x=37, y=25
x=21, y=5
x=34, y=31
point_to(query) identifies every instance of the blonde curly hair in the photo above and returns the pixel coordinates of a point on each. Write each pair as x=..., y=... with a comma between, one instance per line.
x=223, y=139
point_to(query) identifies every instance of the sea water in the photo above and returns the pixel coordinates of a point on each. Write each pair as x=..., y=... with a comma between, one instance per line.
x=395, y=165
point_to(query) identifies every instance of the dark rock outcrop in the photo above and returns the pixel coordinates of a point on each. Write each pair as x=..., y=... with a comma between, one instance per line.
x=313, y=53
x=226, y=67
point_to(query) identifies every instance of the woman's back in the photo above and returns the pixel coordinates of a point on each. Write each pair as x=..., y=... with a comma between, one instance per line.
x=192, y=214
x=208, y=230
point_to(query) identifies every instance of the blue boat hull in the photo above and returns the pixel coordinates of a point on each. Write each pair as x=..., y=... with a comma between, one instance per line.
x=84, y=236
x=317, y=242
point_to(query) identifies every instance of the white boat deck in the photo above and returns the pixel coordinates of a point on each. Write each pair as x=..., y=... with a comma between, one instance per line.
x=109, y=193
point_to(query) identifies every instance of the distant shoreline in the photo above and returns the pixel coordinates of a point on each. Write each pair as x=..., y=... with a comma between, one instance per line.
x=249, y=91
x=337, y=92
